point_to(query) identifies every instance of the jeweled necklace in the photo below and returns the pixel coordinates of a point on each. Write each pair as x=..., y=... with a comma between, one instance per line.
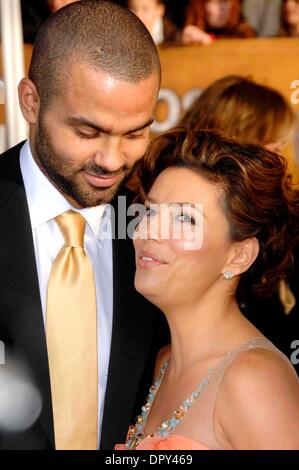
x=136, y=433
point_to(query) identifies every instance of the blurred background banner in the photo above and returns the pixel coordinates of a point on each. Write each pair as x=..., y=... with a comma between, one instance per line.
x=186, y=72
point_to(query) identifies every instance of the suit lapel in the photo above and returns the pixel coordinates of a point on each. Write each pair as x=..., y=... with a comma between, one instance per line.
x=21, y=319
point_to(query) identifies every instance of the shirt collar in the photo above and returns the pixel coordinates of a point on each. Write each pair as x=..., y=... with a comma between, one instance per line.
x=46, y=202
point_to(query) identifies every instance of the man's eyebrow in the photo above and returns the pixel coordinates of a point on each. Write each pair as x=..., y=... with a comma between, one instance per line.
x=148, y=123
x=82, y=121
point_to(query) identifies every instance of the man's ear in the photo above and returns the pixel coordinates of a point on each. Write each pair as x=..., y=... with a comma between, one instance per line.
x=29, y=100
x=242, y=256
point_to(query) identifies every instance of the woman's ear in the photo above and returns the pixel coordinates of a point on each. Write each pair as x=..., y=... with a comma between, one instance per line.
x=29, y=100
x=242, y=256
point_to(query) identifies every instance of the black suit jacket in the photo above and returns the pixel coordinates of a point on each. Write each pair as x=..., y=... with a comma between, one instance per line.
x=139, y=329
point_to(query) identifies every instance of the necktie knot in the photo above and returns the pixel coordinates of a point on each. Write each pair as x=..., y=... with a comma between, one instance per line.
x=72, y=227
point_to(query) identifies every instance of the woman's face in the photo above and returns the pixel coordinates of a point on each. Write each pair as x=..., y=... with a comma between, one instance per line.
x=55, y=5
x=218, y=13
x=182, y=242
x=148, y=11
x=291, y=12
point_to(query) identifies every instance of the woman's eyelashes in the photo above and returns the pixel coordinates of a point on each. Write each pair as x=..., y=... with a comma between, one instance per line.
x=187, y=218
x=149, y=212
x=172, y=214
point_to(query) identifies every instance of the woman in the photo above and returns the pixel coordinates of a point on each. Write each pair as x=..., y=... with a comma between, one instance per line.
x=222, y=384
x=290, y=18
x=55, y=5
x=254, y=113
x=241, y=108
x=207, y=20
x=152, y=14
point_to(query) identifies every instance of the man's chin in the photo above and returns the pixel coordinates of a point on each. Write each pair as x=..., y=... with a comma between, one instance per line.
x=96, y=196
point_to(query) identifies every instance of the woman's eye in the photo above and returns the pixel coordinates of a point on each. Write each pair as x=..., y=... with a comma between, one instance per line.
x=149, y=212
x=186, y=218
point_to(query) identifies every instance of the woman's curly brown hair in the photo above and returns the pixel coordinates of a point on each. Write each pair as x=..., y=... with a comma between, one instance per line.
x=259, y=200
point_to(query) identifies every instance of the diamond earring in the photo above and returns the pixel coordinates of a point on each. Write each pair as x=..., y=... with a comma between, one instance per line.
x=228, y=275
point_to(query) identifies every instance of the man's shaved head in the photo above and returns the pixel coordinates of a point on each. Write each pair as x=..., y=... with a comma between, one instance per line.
x=99, y=33
x=90, y=98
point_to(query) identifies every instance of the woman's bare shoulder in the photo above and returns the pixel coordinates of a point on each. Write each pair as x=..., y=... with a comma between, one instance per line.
x=259, y=394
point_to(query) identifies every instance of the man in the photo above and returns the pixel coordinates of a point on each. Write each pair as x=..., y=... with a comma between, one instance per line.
x=68, y=310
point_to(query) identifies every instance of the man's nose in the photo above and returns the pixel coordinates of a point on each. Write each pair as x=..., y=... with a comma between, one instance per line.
x=109, y=155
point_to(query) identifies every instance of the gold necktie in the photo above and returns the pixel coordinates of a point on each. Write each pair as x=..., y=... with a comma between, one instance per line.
x=72, y=340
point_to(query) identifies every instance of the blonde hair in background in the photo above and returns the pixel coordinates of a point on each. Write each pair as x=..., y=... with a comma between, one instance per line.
x=243, y=109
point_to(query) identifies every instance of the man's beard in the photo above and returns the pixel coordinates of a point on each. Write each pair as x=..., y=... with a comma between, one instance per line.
x=67, y=179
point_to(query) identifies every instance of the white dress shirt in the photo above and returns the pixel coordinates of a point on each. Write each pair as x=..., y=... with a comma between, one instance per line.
x=45, y=203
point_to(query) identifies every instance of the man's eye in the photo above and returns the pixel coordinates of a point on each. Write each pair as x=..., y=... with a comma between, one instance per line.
x=134, y=136
x=85, y=135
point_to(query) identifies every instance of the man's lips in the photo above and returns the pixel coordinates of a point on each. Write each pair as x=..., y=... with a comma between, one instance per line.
x=147, y=260
x=101, y=181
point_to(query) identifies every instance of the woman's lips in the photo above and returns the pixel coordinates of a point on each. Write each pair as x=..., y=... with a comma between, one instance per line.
x=147, y=260
x=101, y=182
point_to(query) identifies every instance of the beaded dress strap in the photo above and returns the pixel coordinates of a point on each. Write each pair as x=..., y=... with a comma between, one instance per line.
x=136, y=433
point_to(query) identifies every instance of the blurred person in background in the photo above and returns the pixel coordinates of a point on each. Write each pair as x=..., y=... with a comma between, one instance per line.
x=245, y=110
x=263, y=16
x=207, y=20
x=55, y=5
x=34, y=12
x=290, y=18
x=253, y=113
x=152, y=14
